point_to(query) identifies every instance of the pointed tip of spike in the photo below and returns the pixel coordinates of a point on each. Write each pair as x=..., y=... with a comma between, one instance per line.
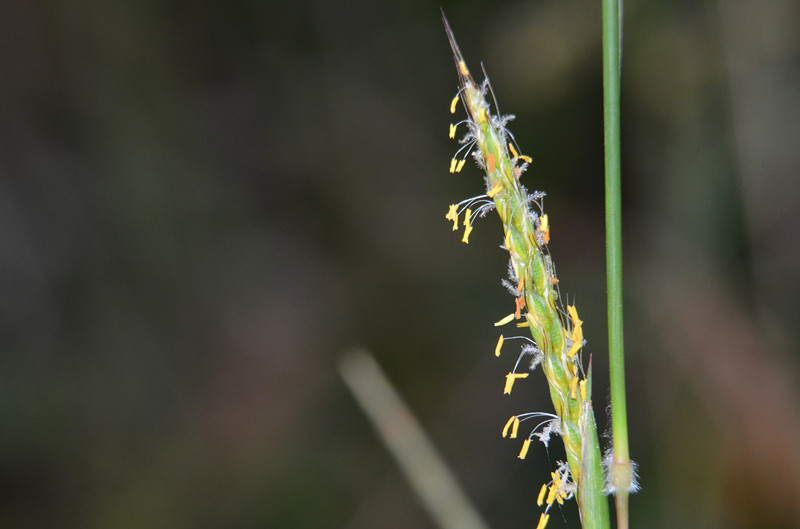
x=446, y=22
x=449, y=30
x=461, y=65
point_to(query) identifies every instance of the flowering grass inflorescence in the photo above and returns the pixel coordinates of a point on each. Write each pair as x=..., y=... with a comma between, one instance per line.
x=557, y=335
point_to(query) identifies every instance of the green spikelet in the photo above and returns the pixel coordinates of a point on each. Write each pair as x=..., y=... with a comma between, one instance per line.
x=557, y=334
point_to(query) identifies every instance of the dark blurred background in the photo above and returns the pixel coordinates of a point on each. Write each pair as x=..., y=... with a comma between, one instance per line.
x=203, y=204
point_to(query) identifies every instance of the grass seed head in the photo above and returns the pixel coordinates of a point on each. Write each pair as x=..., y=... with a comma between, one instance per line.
x=557, y=334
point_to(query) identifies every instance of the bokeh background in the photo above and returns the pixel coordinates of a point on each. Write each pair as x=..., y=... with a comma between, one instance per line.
x=203, y=204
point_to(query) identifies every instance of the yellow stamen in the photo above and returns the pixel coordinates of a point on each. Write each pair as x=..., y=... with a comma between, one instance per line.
x=465, y=238
x=513, y=151
x=540, y=499
x=524, y=451
x=508, y=425
x=545, y=229
x=577, y=332
x=510, y=378
x=453, y=164
x=583, y=390
x=452, y=214
x=551, y=495
x=525, y=158
x=524, y=324
x=467, y=227
x=460, y=165
x=453, y=130
x=572, y=387
x=499, y=345
x=543, y=521
x=504, y=320
x=453, y=104
x=463, y=67
x=573, y=313
x=577, y=343
x=496, y=189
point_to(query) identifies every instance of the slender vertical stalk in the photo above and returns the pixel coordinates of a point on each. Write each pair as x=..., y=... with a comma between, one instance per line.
x=620, y=469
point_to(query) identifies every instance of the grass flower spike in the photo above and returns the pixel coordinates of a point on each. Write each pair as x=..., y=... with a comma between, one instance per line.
x=556, y=335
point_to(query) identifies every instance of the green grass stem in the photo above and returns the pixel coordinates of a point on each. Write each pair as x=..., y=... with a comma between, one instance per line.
x=619, y=467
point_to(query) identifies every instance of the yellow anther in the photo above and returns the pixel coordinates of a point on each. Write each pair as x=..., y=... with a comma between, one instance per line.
x=467, y=226
x=583, y=390
x=524, y=451
x=453, y=130
x=510, y=378
x=577, y=332
x=524, y=324
x=498, y=346
x=463, y=67
x=453, y=164
x=543, y=521
x=577, y=342
x=513, y=151
x=540, y=499
x=508, y=246
x=514, y=429
x=460, y=165
x=453, y=104
x=545, y=229
x=551, y=495
x=452, y=214
x=573, y=313
x=467, y=231
x=576, y=346
x=572, y=388
x=525, y=158
x=504, y=320
x=511, y=421
x=496, y=189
